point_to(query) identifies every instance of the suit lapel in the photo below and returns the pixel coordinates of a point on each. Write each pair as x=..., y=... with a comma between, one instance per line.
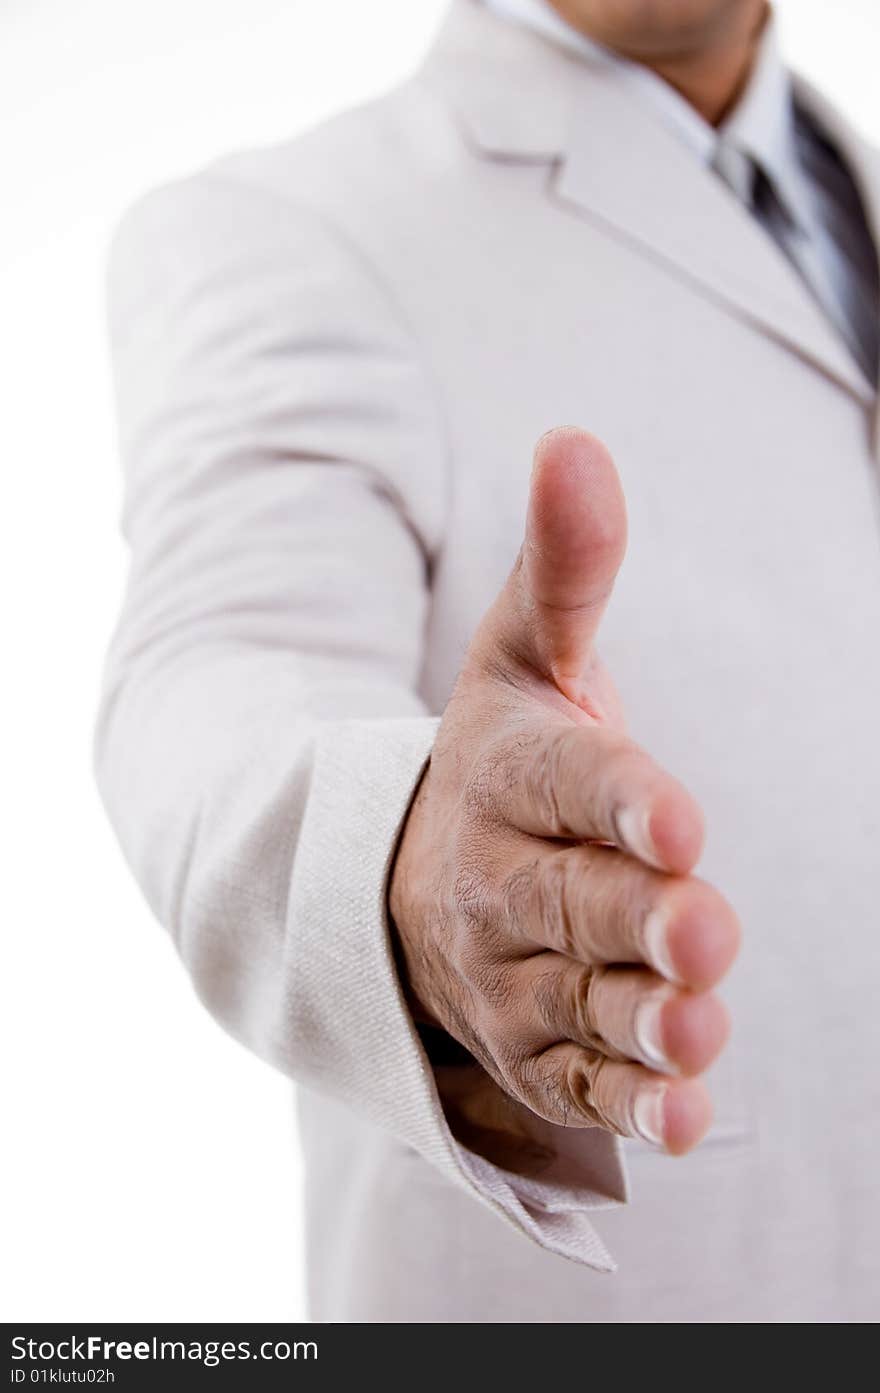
x=521, y=98
x=671, y=208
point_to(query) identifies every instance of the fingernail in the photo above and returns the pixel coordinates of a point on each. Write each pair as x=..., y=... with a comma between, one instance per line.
x=634, y=831
x=656, y=936
x=647, y=1115
x=648, y=1032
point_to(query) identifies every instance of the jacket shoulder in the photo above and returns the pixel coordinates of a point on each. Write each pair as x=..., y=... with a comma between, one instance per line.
x=354, y=168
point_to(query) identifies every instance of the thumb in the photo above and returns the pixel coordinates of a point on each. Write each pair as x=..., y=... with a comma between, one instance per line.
x=574, y=544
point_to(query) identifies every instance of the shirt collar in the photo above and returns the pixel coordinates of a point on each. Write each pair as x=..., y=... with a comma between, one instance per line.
x=761, y=124
x=669, y=105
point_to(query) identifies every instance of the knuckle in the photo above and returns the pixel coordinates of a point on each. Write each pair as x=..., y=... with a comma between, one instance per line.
x=598, y=1090
x=518, y=896
x=577, y=1084
x=542, y=777
x=494, y=772
x=585, y=1006
x=545, y=996
x=492, y=982
x=556, y=1089
x=472, y=894
x=479, y=949
x=567, y=1008
x=554, y=904
x=583, y=1087
x=619, y=907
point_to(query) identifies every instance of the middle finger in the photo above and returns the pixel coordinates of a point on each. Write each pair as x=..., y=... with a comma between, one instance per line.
x=600, y=906
x=626, y=1013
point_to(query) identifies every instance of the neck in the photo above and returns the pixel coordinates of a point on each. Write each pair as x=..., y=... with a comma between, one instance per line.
x=709, y=69
x=713, y=80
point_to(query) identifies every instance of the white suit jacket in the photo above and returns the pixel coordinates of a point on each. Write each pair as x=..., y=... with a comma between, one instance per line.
x=333, y=359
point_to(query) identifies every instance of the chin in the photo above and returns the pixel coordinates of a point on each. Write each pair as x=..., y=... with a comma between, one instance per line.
x=652, y=28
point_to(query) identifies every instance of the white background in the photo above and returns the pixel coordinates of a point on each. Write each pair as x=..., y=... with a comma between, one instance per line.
x=149, y=1164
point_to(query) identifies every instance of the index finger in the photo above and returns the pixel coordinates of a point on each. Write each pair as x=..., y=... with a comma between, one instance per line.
x=590, y=783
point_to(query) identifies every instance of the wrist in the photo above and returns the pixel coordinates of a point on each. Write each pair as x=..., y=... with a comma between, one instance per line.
x=404, y=919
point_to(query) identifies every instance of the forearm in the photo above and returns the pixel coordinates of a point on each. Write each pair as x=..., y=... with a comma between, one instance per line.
x=208, y=768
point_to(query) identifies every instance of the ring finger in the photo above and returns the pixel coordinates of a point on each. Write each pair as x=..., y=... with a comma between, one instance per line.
x=627, y=1013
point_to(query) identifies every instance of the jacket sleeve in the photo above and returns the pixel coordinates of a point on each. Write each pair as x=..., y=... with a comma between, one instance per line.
x=260, y=736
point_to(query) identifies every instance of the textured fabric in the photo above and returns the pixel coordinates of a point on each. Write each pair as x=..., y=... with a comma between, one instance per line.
x=333, y=359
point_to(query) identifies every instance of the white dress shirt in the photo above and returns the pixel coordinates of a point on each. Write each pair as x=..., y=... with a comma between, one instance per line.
x=826, y=235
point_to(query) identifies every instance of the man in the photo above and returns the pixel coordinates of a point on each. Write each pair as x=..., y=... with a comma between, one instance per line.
x=478, y=942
